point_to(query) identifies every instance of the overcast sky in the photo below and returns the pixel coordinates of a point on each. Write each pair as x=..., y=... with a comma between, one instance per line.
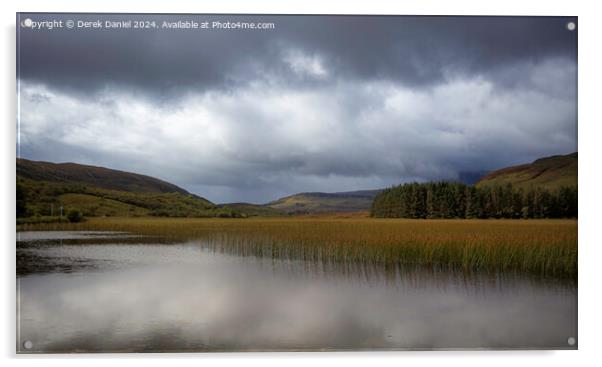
x=316, y=104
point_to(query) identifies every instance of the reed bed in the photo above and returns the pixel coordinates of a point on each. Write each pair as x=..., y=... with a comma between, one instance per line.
x=542, y=247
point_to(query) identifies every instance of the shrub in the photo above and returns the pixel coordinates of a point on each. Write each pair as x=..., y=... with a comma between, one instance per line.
x=74, y=216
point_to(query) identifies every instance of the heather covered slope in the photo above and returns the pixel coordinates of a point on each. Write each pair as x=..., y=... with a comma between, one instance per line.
x=100, y=177
x=550, y=172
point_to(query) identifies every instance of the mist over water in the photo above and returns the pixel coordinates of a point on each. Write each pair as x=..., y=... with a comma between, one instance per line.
x=128, y=294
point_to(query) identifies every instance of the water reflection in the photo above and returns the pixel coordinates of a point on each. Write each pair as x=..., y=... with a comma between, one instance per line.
x=132, y=295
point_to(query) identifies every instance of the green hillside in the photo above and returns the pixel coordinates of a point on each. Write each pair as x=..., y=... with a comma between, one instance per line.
x=100, y=177
x=319, y=202
x=550, y=173
x=96, y=206
x=43, y=188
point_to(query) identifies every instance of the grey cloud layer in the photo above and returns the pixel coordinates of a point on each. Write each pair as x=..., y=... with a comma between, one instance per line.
x=413, y=50
x=320, y=103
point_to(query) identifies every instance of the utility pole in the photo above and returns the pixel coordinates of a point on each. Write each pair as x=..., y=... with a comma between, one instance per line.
x=61, y=211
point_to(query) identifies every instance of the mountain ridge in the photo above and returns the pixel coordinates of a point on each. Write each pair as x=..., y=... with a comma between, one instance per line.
x=101, y=177
x=550, y=172
x=323, y=202
x=45, y=188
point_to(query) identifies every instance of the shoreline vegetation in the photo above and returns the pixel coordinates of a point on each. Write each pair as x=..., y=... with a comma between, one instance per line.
x=542, y=247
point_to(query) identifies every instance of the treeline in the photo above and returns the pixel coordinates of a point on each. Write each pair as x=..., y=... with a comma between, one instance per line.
x=457, y=200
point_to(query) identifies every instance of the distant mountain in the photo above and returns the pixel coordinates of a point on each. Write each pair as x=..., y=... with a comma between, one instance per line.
x=100, y=177
x=97, y=191
x=253, y=210
x=471, y=177
x=549, y=172
x=321, y=202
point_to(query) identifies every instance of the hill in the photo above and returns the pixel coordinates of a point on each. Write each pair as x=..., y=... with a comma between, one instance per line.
x=253, y=210
x=549, y=173
x=320, y=202
x=100, y=177
x=44, y=187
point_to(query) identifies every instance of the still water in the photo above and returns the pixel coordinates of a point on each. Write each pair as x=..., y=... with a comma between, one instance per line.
x=113, y=292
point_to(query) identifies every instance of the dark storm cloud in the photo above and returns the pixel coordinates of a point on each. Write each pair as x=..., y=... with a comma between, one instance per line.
x=318, y=104
x=413, y=50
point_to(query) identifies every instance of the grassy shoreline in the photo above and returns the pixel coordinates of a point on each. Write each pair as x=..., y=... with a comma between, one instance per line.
x=542, y=247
